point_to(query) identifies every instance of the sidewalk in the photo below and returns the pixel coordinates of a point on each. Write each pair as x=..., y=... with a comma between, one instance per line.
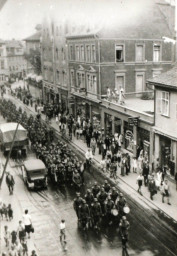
x=19, y=204
x=126, y=183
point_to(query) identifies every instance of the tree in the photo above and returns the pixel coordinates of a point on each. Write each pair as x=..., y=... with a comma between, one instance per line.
x=34, y=58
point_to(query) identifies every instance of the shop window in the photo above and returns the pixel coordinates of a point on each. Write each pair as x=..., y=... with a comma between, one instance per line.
x=139, y=53
x=156, y=53
x=165, y=104
x=119, y=53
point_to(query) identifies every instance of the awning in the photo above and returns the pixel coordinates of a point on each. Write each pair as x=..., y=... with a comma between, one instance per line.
x=169, y=134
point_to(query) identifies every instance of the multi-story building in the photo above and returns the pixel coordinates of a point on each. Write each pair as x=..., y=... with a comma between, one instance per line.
x=123, y=56
x=54, y=63
x=165, y=128
x=82, y=65
x=12, y=61
x=33, y=42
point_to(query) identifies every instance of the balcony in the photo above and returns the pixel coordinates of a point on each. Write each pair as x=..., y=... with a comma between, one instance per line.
x=134, y=106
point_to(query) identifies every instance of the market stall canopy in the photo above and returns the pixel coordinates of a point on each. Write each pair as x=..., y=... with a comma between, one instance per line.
x=7, y=132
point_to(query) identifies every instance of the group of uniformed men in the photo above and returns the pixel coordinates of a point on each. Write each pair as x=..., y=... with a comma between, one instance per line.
x=102, y=204
x=99, y=203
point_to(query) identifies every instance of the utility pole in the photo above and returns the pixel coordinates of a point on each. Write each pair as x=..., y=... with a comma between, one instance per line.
x=7, y=160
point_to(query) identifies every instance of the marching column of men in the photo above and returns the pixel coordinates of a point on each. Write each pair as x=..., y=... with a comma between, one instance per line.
x=102, y=205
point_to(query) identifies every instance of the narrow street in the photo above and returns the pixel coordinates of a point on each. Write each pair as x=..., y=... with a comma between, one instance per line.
x=50, y=206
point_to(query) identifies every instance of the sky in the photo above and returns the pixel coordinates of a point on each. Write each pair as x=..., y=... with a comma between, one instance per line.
x=18, y=18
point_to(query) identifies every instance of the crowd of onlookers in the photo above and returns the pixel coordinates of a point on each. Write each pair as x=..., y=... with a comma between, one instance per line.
x=16, y=239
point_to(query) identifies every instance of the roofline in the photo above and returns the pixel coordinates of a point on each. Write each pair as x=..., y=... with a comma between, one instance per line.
x=80, y=36
x=162, y=85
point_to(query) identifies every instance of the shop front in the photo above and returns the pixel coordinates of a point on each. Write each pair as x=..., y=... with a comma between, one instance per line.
x=143, y=142
x=108, y=119
x=128, y=137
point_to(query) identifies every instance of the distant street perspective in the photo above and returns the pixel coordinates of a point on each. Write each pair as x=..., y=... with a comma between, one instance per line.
x=88, y=135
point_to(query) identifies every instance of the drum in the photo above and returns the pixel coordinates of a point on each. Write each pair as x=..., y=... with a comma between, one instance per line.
x=114, y=212
x=126, y=209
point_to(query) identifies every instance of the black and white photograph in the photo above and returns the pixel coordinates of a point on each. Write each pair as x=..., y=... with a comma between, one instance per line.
x=88, y=128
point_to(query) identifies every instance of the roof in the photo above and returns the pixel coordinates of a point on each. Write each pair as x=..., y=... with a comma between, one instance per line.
x=34, y=37
x=34, y=164
x=14, y=44
x=8, y=131
x=137, y=26
x=11, y=127
x=167, y=79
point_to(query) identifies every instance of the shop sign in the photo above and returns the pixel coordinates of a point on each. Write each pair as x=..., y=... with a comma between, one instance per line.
x=129, y=135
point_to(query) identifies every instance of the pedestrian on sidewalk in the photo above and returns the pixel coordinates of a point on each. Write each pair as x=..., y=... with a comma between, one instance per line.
x=152, y=186
x=25, y=247
x=7, y=236
x=13, y=237
x=19, y=249
x=166, y=192
x=134, y=165
x=89, y=157
x=145, y=172
x=27, y=222
x=13, y=251
x=4, y=212
x=10, y=182
x=62, y=231
x=33, y=253
x=21, y=231
x=93, y=145
x=140, y=182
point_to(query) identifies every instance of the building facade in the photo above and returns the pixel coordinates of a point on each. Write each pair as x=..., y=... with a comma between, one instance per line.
x=12, y=61
x=33, y=43
x=165, y=128
x=54, y=63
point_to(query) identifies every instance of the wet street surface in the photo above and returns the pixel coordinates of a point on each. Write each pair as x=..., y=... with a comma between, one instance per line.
x=149, y=235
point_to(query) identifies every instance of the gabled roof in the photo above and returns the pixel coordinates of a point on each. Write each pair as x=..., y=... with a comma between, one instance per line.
x=166, y=79
x=34, y=37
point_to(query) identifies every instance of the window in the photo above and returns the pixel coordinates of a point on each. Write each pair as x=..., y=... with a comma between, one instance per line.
x=57, y=31
x=165, y=103
x=71, y=52
x=57, y=54
x=63, y=78
x=92, y=84
x=156, y=53
x=119, y=53
x=88, y=53
x=93, y=54
x=77, y=53
x=139, y=53
x=119, y=82
x=82, y=53
x=58, y=76
x=63, y=53
x=9, y=68
x=80, y=80
x=72, y=79
x=2, y=64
